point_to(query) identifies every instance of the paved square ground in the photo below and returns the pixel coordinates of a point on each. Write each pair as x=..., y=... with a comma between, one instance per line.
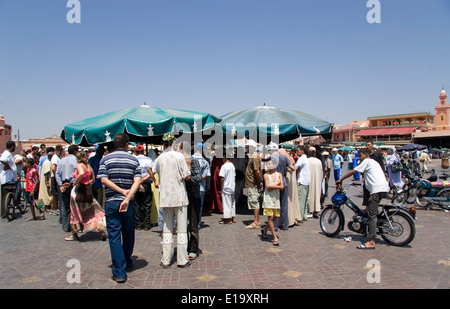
x=35, y=255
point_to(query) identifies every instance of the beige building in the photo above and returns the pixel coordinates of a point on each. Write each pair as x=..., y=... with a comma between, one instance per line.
x=5, y=133
x=396, y=129
x=345, y=133
x=49, y=141
x=401, y=129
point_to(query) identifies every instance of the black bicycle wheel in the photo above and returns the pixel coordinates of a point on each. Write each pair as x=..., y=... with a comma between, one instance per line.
x=10, y=206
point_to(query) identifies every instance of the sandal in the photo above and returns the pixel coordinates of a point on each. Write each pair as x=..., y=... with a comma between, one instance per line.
x=252, y=226
x=228, y=221
x=276, y=243
x=71, y=238
x=185, y=265
x=364, y=247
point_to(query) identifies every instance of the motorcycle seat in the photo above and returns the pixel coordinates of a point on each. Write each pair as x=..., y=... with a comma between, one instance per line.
x=440, y=184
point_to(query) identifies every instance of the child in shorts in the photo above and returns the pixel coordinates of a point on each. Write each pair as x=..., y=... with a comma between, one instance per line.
x=273, y=182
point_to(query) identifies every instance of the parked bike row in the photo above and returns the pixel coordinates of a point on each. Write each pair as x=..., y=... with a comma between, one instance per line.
x=425, y=191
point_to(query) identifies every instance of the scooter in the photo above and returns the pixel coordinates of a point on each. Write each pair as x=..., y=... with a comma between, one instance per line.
x=434, y=191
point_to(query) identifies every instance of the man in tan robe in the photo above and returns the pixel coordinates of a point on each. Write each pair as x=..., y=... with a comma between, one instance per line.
x=44, y=183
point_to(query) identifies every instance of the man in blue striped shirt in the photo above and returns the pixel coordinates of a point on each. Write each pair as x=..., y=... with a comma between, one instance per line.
x=121, y=175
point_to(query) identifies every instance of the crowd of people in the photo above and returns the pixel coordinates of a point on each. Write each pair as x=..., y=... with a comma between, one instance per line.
x=114, y=192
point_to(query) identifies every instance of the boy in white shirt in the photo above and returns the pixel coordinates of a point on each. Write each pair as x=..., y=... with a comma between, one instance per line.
x=375, y=182
x=8, y=172
x=227, y=176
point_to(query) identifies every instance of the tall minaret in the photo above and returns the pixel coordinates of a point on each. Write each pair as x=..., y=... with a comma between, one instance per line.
x=443, y=97
x=442, y=112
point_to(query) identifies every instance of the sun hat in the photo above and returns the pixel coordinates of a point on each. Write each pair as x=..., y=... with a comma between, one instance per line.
x=168, y=137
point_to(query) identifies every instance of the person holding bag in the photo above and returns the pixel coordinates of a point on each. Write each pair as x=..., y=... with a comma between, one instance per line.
x=394, y=169
x=86, y=214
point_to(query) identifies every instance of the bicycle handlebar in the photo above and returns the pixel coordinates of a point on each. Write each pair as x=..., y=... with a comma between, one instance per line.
x=339, y=186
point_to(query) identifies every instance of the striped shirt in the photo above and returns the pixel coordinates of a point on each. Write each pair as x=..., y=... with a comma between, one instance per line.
x=121, y=168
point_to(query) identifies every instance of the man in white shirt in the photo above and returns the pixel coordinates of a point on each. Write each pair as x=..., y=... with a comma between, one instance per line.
x=57, y=194
x=303, y=180
x=8, y=172
x=7, y=165
x=173, y=171
x=376, y=184
x=227, y=177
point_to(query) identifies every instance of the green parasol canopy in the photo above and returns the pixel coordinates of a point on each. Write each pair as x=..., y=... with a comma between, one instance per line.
x=272, y=122
x=347, y=148
x=142, y=124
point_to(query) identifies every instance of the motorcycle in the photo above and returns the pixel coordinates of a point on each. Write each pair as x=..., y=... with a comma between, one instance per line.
x=433, y=191
x=407, y=194
x=395, y=223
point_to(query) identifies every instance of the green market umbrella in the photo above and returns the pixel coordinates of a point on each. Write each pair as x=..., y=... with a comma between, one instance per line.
x=273, y=123
x=347, y=148
x=143, y=124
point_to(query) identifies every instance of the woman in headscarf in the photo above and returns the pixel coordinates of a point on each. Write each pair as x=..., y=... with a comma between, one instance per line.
x=395, y=178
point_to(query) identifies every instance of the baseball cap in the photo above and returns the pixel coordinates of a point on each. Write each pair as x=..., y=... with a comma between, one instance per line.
x=273, y=146
x=251, y=143
x=140, y=147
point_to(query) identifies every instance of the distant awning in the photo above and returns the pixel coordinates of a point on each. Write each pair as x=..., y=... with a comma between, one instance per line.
x=386, y=131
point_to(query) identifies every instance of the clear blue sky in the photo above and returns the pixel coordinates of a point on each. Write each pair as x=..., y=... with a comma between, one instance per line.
x=318, y=56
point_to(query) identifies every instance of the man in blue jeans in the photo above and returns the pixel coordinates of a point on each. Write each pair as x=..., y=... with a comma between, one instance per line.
x=121, y=175
x=338, y=161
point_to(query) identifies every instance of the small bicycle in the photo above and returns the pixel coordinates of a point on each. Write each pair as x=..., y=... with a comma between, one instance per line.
x=11, y=203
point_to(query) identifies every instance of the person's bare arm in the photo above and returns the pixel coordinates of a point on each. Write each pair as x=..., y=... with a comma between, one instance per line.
x=134, y=188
